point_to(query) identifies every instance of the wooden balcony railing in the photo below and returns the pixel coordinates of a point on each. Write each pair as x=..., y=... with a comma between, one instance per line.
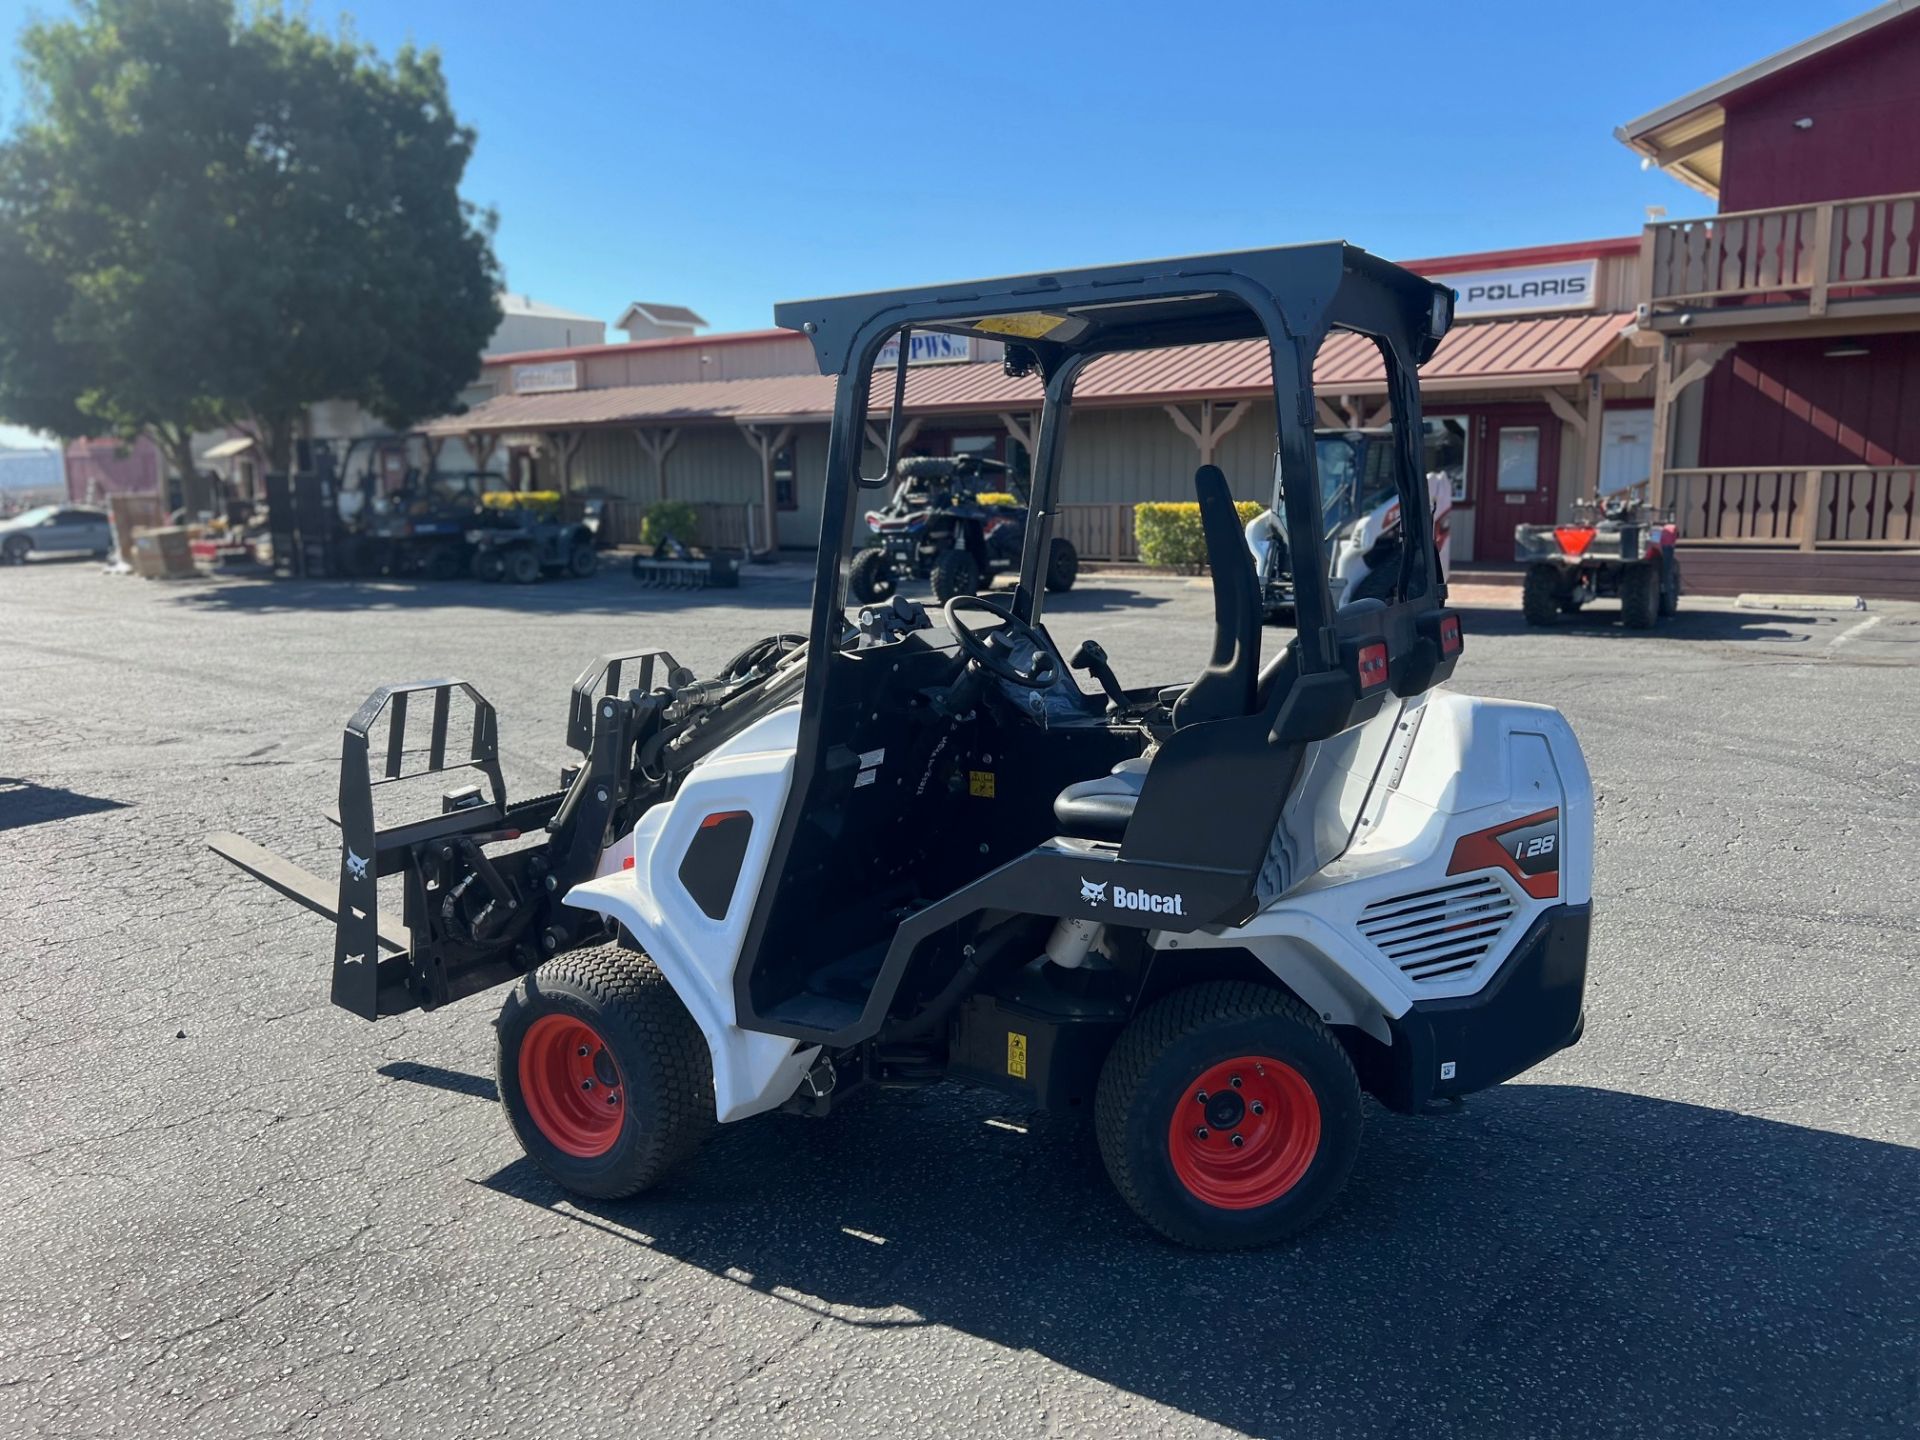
x=1807, y=254
x=1852, y=507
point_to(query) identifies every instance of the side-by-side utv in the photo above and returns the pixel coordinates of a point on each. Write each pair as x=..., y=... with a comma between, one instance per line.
x=1211, y=911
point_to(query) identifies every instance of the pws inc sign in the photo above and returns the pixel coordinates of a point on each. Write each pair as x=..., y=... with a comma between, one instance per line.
x=927, y=347
x=1525, y=289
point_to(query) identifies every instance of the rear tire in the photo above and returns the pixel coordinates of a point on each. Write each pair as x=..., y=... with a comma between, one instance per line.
x=443, y=564
x=1670, y=591
x=523, y=566
x=582, y=561
x=1063, y=566
x=489, y=565
x=870, y=577
x=610, y=1123
x=955, y=574
x=1540, y=595
x=1640, y=586
x=1296, y=1111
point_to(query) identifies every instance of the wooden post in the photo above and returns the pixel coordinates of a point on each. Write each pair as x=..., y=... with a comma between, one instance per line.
x=1590, y=456
x=480, y=445
x=565, y=443
x=1214, y=425
x=432, y=444
x=1662, y=423
x=655, y=445
x=1809, y=517
x=1822, y=257
x=766, y=447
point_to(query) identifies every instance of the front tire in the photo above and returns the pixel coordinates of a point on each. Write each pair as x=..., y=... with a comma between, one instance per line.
x=523, y=566
x=609, y=1122
x=1670, y=590
x=489, y=565
x=1540, y=595
x=1271, y=1145
x=14, y=552
x=870, y=577
x=582, y=561
x=955, y=573
x=1640, y=587
x=1063, y=566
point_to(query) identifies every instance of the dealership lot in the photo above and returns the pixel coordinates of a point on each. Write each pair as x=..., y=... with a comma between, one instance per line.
x=231, y=1209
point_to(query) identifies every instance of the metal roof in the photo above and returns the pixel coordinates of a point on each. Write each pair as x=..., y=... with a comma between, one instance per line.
x=1493, y=354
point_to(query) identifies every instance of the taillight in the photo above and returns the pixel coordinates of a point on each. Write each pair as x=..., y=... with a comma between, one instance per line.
x=1450, y=635
x=1574, y=539
x=1373, y=666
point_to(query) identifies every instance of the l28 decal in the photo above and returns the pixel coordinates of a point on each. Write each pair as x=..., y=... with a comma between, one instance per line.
x=1528, y=849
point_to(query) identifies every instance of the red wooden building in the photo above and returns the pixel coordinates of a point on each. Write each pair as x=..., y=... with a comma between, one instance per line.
x=1787, y=409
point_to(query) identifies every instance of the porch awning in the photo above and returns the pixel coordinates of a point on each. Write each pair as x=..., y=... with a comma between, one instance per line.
x=1514, y=354
x=227, y=449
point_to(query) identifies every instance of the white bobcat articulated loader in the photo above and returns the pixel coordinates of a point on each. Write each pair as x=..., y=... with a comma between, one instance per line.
x=1212, y=911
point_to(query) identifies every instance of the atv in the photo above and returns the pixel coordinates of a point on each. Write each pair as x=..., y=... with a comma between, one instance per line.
x=1617, y=547
x=909, y=845
x=939, y=525
x=523, y=542
x=1360, y=523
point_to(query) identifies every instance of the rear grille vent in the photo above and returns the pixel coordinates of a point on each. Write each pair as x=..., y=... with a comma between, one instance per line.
x=1434, y=934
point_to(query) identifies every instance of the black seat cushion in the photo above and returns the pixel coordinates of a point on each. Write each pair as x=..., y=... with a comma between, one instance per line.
x=1099, y=809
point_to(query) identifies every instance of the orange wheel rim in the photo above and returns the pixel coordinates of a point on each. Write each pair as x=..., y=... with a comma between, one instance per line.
x=571, y=1086
x=1244, y=1132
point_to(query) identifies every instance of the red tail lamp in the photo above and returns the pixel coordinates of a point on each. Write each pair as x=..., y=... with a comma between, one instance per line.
x=1574, y=539
x=1450, y=635
x=1373, y=666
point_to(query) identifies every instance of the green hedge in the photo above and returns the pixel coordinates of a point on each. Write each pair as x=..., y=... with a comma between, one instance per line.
x=670, y=517
x=1168, y=532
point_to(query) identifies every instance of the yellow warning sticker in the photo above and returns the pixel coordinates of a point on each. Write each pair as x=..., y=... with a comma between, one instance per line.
x=1016, y=1055
x=1030, y=325
x=980, y=783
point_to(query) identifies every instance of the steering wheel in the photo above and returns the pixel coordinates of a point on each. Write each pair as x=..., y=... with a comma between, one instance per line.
x=992, y=649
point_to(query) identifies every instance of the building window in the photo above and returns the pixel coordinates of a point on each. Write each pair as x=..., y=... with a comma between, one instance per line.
x=786, y=493
x=1444, y=451
x=1518, y=466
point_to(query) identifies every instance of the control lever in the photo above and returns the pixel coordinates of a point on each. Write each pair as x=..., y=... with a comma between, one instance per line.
x=1092, y=657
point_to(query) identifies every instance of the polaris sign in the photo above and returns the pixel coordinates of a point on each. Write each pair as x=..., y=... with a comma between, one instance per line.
x=927, y=347
x=1525, y=289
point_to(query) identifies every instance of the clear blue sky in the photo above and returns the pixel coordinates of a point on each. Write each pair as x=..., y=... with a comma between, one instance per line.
x=728, y=156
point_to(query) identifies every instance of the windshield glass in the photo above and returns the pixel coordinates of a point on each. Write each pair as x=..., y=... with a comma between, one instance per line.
x=34, y=516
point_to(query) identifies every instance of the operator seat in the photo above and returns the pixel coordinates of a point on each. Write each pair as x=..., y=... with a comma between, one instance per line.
x=1099, y=809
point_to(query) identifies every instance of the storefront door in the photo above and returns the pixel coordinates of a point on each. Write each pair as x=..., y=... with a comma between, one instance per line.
x=1519, y=458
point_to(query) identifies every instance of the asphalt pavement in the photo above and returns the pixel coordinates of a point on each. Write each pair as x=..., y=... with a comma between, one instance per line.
x=230, y=1209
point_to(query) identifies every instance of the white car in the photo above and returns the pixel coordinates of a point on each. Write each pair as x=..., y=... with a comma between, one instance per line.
x=56, y=530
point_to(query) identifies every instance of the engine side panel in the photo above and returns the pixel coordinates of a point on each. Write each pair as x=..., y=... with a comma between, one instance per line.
x=669, y=897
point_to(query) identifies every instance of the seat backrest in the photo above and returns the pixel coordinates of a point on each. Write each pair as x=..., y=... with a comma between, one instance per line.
x=1226, y=687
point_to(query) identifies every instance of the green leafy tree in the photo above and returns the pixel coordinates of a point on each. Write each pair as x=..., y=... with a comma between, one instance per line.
x=209, y=220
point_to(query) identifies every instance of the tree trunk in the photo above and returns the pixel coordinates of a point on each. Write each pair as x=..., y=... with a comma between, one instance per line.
x=176, y=445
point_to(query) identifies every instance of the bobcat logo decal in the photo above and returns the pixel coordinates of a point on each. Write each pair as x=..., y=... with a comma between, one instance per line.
x=1091, y=893
x=356, y=867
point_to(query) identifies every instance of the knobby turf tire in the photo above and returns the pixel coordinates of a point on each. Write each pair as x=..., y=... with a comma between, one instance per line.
x=955, y=574
x=523, y=566
x=1148, y=1072
x=1063, y=565
x=870, y=577
x=582, y=561
x=1640, y=585
x=1670, y=591
x=1540, y=595
x=665, y=1068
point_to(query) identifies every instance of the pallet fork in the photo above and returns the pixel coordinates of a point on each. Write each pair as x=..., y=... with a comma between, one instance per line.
x=470, y=920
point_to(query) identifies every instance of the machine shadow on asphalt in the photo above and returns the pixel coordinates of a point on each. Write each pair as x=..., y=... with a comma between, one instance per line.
x=608, y=594
x=24, y=803
x=1621, y=1252
x=1713, y=626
